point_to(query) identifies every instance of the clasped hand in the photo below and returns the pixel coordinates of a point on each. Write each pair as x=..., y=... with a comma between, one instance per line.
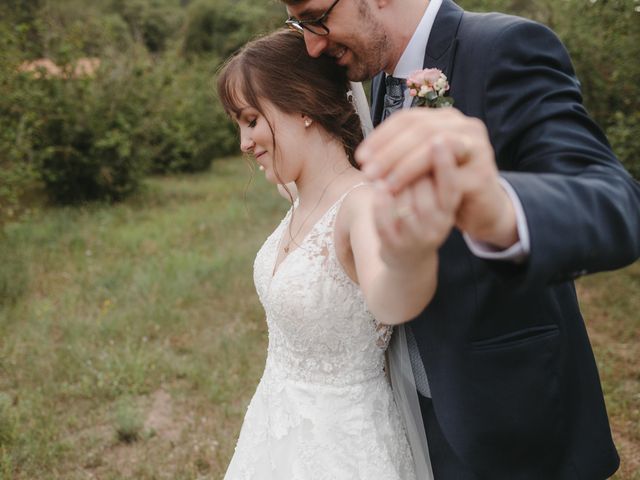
x=435, y=169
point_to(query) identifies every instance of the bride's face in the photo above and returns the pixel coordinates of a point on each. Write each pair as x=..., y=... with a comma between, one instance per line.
x=281, y=161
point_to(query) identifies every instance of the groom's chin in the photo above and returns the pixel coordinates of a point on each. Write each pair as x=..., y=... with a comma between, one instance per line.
x=357, y=73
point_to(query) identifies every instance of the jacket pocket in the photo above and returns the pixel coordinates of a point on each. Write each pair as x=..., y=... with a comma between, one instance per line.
x=513, y=339
x=512, y=405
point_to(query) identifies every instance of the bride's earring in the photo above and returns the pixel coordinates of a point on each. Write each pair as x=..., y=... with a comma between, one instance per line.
x=307, y=123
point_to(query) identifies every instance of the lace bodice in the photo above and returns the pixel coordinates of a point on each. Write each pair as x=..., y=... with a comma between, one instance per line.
x=323, y=409
x=320, y=330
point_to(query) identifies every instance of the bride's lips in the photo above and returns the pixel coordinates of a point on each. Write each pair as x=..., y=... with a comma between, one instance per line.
x=257, y=156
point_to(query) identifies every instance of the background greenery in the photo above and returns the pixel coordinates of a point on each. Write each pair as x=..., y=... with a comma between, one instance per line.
x=130, y=335
x=150, y=109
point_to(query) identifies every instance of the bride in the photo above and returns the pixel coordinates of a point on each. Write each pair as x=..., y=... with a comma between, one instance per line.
x=332, y=277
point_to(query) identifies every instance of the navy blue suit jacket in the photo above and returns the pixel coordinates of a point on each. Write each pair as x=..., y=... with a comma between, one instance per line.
x=513, y=378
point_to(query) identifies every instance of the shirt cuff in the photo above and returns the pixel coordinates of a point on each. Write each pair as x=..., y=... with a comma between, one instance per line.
x=517, y=252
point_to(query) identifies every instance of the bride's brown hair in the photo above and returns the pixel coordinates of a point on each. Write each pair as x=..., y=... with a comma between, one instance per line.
x=277, y=68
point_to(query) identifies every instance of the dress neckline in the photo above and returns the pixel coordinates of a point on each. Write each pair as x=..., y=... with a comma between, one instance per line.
x=278, y=266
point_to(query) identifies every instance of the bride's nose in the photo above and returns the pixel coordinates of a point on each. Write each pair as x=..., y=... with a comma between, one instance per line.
x=246, y=143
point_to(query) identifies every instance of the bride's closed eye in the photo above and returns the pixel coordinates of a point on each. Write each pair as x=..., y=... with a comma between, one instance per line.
x=252, y=123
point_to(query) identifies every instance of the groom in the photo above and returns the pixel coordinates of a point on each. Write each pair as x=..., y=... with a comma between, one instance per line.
x=508, y=383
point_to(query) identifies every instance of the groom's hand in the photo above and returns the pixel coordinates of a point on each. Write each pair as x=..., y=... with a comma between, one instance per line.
x=401, y=151
x=416, y=221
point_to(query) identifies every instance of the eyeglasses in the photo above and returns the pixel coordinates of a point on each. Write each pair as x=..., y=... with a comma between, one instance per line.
x=315, y=26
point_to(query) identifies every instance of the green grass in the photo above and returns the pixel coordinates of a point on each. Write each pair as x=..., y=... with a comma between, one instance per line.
x=131, y=337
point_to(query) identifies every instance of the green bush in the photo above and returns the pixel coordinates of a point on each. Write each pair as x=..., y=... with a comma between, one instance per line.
x=624, y=134
x=186, y=129
x=14, y=277
x=85, y=136
x=153, y=22
x=128, y=421
x=17, y=167
x=222, y=26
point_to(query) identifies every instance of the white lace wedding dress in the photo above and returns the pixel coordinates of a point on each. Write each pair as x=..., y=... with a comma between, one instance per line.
x=323, y=408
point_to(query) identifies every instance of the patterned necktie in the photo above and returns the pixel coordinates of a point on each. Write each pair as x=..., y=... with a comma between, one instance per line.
x=394, y=95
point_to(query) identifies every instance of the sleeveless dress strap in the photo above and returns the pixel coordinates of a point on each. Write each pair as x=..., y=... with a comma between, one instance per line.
x=344, y=195
x=336, y=206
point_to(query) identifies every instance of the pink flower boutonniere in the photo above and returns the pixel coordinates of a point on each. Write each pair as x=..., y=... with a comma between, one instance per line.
x=429, y=87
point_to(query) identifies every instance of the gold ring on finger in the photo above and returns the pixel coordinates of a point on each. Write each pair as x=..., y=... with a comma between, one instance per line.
x=467, y=146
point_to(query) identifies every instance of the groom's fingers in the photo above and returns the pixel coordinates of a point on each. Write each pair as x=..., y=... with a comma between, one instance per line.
x=392, y=153
x=445, y=175
x=406, y=170
x=400, y=150
x=372, y=148
x=420, y=160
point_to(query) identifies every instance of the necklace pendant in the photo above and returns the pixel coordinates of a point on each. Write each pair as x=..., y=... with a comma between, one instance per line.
x=286, y=249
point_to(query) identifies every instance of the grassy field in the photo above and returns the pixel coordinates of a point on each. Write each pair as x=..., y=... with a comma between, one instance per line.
x=131, y=338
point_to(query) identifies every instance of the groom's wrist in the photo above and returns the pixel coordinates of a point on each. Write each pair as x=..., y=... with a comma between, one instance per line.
x=500, y=230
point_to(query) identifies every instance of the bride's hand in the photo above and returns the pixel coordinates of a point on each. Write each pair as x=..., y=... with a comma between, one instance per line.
x=400, y=151
x=414, y=223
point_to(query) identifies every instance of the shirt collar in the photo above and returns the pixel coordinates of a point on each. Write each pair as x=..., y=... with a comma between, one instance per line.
x=412, y=58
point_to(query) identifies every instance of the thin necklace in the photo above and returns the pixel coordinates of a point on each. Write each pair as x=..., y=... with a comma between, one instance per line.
x=292, y=238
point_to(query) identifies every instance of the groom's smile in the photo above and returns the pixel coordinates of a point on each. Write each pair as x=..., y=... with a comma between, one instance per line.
x=360, y=46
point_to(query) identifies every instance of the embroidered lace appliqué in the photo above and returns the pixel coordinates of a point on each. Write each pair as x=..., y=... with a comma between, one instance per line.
x=323, y=408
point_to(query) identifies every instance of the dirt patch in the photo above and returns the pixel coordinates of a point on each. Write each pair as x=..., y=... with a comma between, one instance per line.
x=160, y=419
x=176, y=441
x=629, y=454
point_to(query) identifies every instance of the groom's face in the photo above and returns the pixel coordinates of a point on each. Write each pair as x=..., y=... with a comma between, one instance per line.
x=357, y=39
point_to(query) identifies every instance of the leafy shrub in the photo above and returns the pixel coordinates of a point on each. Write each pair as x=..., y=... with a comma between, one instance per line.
x=152, y=22
x=13, y=277
x=128, y=421
x=17, y=168
x=186, y=129
x=222, y=26
x=623, y=133
x=85, y=139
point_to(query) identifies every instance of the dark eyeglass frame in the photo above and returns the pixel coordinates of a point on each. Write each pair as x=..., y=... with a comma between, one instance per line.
x=315, y=26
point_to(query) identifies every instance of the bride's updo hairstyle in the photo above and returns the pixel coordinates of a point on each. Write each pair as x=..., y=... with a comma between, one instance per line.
x=277, y=68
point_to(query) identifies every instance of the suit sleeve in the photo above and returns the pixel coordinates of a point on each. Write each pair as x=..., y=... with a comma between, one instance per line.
x=582, y=207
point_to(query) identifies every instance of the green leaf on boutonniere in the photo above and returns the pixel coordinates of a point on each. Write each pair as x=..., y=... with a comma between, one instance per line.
x=442, y=102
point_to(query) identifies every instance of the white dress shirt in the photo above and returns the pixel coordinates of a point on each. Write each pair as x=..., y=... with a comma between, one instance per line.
x=412, y=59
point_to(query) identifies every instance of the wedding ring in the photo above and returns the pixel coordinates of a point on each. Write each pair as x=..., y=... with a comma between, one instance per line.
x=467, y=145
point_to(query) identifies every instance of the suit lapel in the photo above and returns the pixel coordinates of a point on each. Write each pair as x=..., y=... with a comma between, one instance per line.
x=441, y=48
x=440, y=53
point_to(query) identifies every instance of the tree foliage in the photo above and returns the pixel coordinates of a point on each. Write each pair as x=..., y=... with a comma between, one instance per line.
x=150, y=107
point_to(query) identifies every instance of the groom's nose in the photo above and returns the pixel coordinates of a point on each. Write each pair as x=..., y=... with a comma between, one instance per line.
x=316, y=44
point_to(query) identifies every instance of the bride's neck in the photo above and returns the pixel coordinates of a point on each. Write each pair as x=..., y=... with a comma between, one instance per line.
x=324, y=174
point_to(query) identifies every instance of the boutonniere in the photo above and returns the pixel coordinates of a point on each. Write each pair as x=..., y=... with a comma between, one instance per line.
x=429, y=87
